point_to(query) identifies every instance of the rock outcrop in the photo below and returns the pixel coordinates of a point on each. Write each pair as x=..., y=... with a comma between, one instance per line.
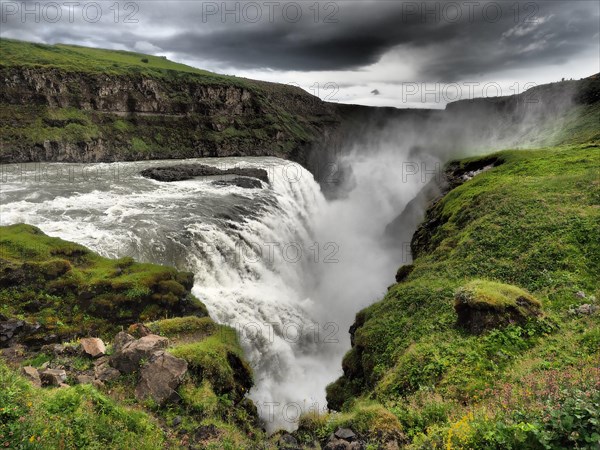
x=484, y=305
x=127, y=359
x=187, y=171
x=160, y=377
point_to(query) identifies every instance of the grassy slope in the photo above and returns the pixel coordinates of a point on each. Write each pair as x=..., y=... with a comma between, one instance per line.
x=72, y=291
x=532, y=222
x=73, y=58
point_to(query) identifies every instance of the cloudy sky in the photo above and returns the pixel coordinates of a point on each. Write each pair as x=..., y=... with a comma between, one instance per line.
x=393, y=53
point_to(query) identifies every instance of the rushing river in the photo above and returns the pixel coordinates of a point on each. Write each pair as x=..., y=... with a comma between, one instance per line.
x=279, y=263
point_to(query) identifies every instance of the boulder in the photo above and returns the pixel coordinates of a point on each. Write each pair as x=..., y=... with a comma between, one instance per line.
x=585, y=310
x=120, y=340
x=32, y=374
x=85, y=379
x=345, y=433
x=344, y=439
x=93, y=347
x=160, y=377
x=129, y=357
x=53, y=377
x=482, y=305
x=287, y=442
x=103, y=371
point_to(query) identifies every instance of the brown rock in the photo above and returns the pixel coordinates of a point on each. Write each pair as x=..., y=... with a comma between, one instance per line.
x=85, y=379
x=128, y=358
x=32, y=374
x=103, y=371
x=93, y=347
x=53, y=377
x=139, y=330
x=160, y=377
x=120, y=340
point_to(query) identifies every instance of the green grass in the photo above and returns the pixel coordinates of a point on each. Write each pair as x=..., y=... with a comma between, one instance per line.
x=71, y=290
x=527, y=229
x=218, y=358
x=483, y=294
x=188, y=118
x=73, y=58
x=70, y=418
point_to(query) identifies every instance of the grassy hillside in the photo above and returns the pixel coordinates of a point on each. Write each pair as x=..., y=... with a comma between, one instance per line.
x=70, y=290
x=525, y=231
x=73, y=58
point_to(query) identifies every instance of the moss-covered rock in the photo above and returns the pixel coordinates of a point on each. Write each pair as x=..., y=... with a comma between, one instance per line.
x=68, y=290
x=483, y=305
x=403, y=272
x=218, y=359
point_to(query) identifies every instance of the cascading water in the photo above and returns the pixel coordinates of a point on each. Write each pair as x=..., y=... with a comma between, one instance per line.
x=250, y=251
x=284, y=267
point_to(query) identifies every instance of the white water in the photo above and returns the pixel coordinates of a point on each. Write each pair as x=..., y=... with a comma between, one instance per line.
x=284, y=267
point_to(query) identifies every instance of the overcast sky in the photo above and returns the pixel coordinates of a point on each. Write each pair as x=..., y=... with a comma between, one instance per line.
x=393, y=53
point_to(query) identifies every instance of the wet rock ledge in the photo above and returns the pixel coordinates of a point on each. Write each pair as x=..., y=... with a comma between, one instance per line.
x=182, y=172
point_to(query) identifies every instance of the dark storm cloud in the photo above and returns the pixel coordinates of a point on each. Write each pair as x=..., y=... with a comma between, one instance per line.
x=450, y=40
x=487, y=36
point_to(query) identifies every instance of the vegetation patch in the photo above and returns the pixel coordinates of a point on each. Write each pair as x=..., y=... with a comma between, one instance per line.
x=62, y=290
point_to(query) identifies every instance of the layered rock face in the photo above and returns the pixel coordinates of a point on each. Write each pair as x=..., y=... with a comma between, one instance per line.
x=56, y=115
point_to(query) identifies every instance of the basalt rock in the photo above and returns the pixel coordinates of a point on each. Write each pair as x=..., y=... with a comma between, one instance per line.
x=181, y=172
x=243, y=182
x=13, y=330
x=103, y=371
x=53, y=377
x=344, y=439
x=160, y=377
x=128, y=358
x=32, y=374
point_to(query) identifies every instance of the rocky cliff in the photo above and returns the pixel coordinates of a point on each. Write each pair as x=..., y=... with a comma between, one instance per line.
x=77, y=107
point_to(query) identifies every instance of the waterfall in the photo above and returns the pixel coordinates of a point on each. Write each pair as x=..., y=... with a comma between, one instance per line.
x=287, y=269
x=252, y=252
